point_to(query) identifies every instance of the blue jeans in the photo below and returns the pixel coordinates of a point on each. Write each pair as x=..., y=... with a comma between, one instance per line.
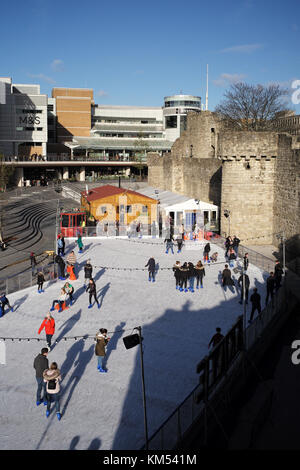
x=168, y=247
x=100, y=361
x=41, y=386
x=53, y=397
x=191, y=281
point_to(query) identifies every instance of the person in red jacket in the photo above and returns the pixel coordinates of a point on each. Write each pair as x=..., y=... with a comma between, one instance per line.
x=49, y=325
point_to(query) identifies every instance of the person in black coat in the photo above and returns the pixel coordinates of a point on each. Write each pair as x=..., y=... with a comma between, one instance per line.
x=235, y=244
x=246, y=261
x=40, y=364
x=91, y=288
x=270, y=287
x=278, y=275
x=151, y=269
x=206, y=253
x=191, y=276
x=247, y=285
x=200, y=273
x=179, y=243
x=226, y=277
x=61, y=267
x=184, y=272
x=228, y=245
x=177, y=274
x=88, y=270
x=255, y=300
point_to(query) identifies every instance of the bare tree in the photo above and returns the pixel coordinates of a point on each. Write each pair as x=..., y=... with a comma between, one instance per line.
x=252, y=107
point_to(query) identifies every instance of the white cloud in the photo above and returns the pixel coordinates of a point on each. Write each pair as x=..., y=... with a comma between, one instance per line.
x=226, y=79
x=42, y=77
x=243, y=48
x=101, y=93
x=57, y=65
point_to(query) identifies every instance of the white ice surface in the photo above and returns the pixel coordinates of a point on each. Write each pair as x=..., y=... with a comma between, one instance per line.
x=105, y=411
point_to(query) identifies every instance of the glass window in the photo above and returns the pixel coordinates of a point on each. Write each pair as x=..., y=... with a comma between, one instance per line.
x=171, y=122
x=145, y=210
x=128, y=209
x=65, y=220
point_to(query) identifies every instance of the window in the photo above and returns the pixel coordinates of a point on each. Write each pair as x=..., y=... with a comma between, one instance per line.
x=39, y=128
x=50, y=107
x=19, y=128
x=129, y=209
x=103, y=209
x=65, y=221
x=171, y=122
x=29, y=128
x=145, y=210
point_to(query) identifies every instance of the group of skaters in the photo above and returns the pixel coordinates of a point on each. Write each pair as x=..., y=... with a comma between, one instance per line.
x=48, y=378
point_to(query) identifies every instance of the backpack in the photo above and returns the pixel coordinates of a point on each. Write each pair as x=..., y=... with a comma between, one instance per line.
x=52, y=384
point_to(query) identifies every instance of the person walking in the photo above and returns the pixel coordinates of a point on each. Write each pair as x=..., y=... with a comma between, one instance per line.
x=101, y=340
x=40, y=281
x=226, y=277
x=33, y=262
x=278, y=275
x=176, y=271
x=52, y=378
x=246, y=261
x=40, y=364
x=79, y=243
x=191, y=276
x=151, y=269
x=256, y=305
x=270, y=287
x=3, y=302
x=61, y=267
x=206, y=253
x=49, y=325
x=91, y=289
x=217, y=337
x=184, y=271
x=88, y=270
x=60, y=301
x=69, y=289
x=200, y=273
x=169, y=244
x=247, y=285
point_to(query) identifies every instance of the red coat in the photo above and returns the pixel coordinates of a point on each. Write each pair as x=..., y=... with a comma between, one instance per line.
x=49, y=326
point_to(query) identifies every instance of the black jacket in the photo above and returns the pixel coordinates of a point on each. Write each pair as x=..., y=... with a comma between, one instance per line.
x=40, y=364
x=226, y=278
x=59, y=260
x=207, y=248
x=151, y=264
x=91, y=288
x=255, y=299
x=88, y=268
x=247, y=280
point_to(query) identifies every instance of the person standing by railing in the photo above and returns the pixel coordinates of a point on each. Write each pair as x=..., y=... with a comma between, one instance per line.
x=256, y=305
x=40, y=281
x=278, y=275
x=32, y=262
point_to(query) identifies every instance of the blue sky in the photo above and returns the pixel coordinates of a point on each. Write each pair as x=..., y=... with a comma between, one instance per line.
x=135, y=52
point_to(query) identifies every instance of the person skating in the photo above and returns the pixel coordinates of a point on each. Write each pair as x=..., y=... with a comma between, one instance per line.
x=214, y=257
x=184, y=272
x=52, y=378
x=278, y=275
x=231, y=257
x=191, y=276
x=247, y=285
x=33, y=262
x=235, y=244
x=88, y=271
x=246, y=261
x=200, y=273
x=40, y=281
x=60, y=301
x=179, y=241
x=206, y=253
x=60, y=246
x=255, y=300
x=270, y=286
x=100, y=348
x=176, y=270
x=70, y=291
x=151, y=269
x=61, y=267
x=3, y=302
x=226, y=277
x=228, y=244
x=71, y=261
x=217, y=337
x=40, y=364
x=79, y=243
x=49, y=325
x=169, y=244
x=91, y=289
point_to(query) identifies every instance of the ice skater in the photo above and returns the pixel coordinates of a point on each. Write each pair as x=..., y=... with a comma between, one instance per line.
x=101, y=340
x=151, y=269
x=60, y=246
x=79, y=243
x=49, y=325
x=61, y=267
x=40, y=281
x=226, y=277
x=176, y=270
x=69, y=291
x=52, y=378
x=231, y=257
x=256, y=305
x=200, y=273
x=191, y=276
x=206, y=253
x=247, y=285
x=88, y=271
x=246, y=261
x=169, y=244
x=3, y=302
x=40, y=364
x=91, y=289
x=60, y=301
x=214, y=257
x=179, y=243
x=184, y=272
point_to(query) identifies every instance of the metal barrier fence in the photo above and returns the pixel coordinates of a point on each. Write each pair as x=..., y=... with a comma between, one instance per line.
x=28, y=278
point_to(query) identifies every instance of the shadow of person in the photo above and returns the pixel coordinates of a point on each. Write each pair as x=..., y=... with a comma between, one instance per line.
x=67, y=326
x=99, y=274
x=112, y=344
x=95, y=444
x=19, y=302
x=101, y=294
x=79, y=358
x=74, y=442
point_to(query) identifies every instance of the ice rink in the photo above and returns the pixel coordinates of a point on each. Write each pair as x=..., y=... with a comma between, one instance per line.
x=105, y=411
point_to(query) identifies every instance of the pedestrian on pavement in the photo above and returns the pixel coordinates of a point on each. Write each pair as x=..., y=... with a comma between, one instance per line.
x=176, y=271
x=101, y=340
x=40, y=281
x=206, y=253
x=88, y=270
x=49, y=325
x=91, y=289
x=247, y=285
x=3, y=302
x=270, y=287
x=40, y=364
x=151, y=268
x=200, y=273
x=278, y=275
x=60, y=301
x=52, y=378
x=256, y=305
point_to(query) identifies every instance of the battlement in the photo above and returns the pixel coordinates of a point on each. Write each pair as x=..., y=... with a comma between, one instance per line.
x=246, y=157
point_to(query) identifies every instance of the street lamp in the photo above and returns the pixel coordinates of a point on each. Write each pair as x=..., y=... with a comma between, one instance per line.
x=227, y=215
x=191, y=150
